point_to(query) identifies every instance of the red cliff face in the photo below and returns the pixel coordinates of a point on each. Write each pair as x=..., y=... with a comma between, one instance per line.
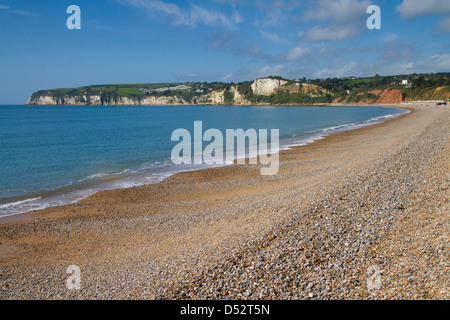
x=381, y=96
x=390, y=96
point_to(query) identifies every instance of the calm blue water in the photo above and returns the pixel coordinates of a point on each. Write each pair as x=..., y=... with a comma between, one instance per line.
x=57, y=155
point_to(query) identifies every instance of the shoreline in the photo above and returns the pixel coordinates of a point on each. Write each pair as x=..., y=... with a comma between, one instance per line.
x=15, y=216
x=318, y=104
x=373, y=196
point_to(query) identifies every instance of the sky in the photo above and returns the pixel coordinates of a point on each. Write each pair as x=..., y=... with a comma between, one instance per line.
x=159, y=41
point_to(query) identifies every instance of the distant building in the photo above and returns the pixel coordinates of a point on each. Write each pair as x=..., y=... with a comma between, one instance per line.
x=405, y=82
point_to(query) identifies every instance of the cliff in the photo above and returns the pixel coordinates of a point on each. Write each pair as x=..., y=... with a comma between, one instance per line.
x=272, y=85
x=264, y=91
x=395, y=95
x=267, y=86
x=260, y=91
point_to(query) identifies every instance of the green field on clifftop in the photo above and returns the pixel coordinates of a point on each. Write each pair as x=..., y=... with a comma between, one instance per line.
x=349, y=89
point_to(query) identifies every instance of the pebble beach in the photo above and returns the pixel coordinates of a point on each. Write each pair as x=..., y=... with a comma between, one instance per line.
x=360, y=214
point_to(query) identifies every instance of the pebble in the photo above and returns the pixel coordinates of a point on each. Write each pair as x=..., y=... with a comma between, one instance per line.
x=289, y=243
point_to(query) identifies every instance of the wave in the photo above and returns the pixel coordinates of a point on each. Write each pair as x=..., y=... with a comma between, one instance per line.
x=11, y=204
x=154, y=172
x=308, y=137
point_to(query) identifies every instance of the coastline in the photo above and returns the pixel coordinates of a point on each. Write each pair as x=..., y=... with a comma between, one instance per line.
x=214, y=215
x=76, y=193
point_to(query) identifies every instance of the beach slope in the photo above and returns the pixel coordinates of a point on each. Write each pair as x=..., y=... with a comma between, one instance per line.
x=361, y=214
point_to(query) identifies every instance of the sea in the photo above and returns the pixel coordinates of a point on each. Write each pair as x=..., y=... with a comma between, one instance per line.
x=56, y=155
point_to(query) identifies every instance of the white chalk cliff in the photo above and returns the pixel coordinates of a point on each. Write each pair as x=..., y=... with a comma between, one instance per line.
x=259, y=87
x=267, y=86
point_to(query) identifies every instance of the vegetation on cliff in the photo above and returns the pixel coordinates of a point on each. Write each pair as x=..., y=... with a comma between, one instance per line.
x=377, y=89
x=403, y=87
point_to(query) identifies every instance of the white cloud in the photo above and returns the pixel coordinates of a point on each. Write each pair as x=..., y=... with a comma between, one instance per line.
x=268, y=71
x=19, y=12
x=272, y=5
x=391, y=37
x=330, y=33
x=275, y=13
x=232, y=2
x=297, y=53
x=434, y=63
x=444, y=25
x=169, y=10
x=420, y=8
x=272, y=36
x=226, y=77
x=186, y=17
x=23, y=12
x=346, y=19
x=202, y=15
x=237, y=17
x=271, y=19
x=352, y=68
x=398, y=51
x=231, y=41
x=342, y=11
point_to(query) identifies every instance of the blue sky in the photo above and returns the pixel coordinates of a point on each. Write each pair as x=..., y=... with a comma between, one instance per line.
x=147, y=41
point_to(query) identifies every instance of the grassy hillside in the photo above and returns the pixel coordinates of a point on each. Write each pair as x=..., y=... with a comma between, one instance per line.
x=378, y=89
x=418, y=87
